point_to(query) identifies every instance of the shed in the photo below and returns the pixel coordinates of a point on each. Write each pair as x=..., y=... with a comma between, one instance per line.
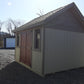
x=53, y=42
x=9, y=42
x=2, y=36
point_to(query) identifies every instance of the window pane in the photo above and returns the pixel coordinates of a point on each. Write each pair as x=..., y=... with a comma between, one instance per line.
x=17, y=40
x=37, y=39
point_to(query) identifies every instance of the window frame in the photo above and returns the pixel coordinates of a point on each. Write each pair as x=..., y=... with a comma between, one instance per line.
x=35, y=39
x=17, y=40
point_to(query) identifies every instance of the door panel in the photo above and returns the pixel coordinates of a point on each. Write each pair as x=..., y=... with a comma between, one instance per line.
x=22, y=47
x=28, y=48
x=25, y=49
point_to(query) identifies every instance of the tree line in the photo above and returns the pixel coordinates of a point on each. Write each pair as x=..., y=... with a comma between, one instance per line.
x=10, y=25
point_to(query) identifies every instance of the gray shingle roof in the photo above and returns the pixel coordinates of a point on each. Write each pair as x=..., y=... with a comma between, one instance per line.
x=44, y=18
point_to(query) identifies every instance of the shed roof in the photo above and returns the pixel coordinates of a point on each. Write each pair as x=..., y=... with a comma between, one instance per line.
x=49, y=16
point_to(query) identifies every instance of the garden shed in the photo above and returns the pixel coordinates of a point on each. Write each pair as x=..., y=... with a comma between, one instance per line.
x=53, y=42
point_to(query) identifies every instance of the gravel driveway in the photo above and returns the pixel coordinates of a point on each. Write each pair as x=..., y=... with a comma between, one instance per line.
x=6, y=57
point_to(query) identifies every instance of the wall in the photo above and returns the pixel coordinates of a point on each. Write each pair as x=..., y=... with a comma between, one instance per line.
x=17, y=49
x=17, y=54
x=37, y=56
x=63, y=50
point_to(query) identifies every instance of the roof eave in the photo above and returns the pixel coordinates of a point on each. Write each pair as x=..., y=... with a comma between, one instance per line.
x=21, y=28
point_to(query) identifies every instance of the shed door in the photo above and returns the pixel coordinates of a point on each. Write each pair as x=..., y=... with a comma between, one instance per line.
x=25, y=49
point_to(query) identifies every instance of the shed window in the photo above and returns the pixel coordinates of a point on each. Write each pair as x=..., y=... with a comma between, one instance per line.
x=37, y=39
x=17, y=40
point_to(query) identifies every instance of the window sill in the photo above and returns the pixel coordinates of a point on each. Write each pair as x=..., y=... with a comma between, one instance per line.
x=36, y=49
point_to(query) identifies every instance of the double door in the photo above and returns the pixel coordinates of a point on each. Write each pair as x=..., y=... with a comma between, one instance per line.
x=25, y=47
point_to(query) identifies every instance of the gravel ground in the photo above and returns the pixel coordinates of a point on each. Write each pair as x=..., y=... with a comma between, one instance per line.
x=14, y=73
x=6, y=57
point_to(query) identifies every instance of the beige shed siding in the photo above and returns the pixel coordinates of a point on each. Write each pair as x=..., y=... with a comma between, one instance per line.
x=17, y=49
x=17, y=54
x=37, y=56
x=63, y=50
x=37, y=62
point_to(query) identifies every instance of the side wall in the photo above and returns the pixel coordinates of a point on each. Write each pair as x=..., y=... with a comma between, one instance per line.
x=63, y=50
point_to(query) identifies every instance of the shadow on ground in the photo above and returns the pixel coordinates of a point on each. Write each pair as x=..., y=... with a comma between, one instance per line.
x=15, y=73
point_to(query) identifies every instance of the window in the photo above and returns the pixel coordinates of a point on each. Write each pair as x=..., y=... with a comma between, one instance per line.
x=37, y=39
x=17, y=39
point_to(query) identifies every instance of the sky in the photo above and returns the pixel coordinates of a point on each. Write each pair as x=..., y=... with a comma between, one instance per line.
x=28, y=9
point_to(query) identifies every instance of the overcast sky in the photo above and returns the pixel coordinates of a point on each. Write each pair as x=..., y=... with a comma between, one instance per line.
x=28, y=9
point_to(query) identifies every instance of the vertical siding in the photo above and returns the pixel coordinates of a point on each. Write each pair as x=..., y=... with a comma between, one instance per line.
x=63, y=50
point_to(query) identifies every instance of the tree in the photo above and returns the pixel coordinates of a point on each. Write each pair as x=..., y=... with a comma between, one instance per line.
x=40, y=13
x=9, y=28
x=13, y=24
x=1, y=23
x=16, y=23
